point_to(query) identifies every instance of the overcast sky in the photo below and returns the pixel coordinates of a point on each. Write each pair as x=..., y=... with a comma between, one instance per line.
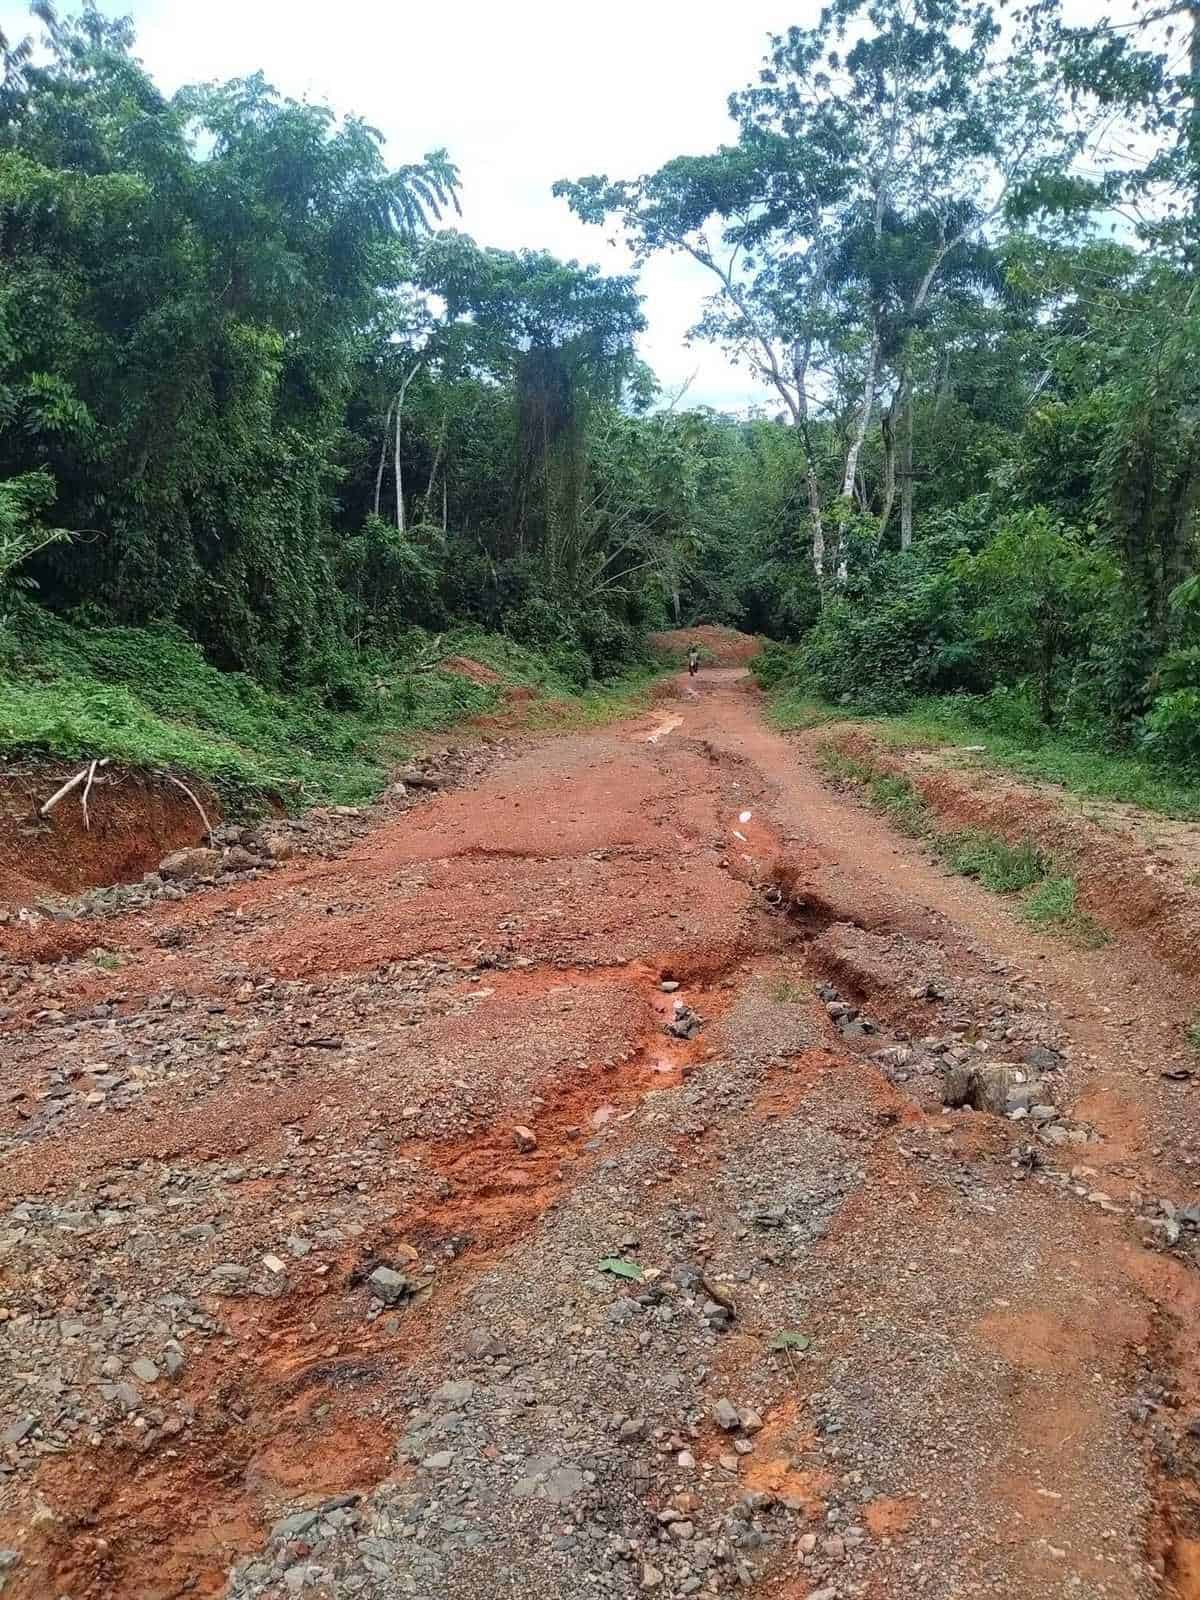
x=519, y=93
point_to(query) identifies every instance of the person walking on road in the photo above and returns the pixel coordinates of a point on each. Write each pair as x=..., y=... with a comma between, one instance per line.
x=693, y=661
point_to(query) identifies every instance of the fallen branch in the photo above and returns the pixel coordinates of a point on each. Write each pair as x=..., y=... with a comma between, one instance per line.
x=72, y=783
x=192, y=798
x=87, y=789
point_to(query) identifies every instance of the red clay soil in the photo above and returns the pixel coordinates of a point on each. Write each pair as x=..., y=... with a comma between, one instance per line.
x=397, y=1223
x=135, y=821
x=1123, y=885
x=721, y=646
x=465, y=667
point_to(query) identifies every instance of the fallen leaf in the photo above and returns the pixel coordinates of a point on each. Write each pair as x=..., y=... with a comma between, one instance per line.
x=621, y=1269
x=790, y=1339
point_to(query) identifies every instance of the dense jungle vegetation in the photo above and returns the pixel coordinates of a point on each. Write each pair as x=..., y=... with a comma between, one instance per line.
x=271, y=425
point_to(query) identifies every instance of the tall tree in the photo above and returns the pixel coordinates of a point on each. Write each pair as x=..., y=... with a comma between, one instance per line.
x=876, y=149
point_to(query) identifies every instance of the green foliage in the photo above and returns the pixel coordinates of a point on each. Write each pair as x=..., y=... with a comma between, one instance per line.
x=1049, y=896
x=1053, y=907
x=149, y=698
x=998, y=865
x=900, y=802
x=1033, y=590
x=897, y=631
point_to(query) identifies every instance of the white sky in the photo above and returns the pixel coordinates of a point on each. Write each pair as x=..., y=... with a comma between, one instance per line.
x=520, y=94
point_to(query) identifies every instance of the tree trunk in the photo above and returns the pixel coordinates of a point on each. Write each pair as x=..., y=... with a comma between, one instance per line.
x=818, y=525
x=399, y=404
x=399, y=478
x=437, y=461
x=1046, y=684
x=387, y=424
x=864, y=416
x=906, y=466
x=887, y=431
x=801, y=355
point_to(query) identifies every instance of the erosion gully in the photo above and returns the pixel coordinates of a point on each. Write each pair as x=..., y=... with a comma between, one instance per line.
x=385, y=1227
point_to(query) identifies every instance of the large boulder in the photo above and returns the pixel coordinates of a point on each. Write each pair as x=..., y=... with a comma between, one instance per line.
x=197, y=862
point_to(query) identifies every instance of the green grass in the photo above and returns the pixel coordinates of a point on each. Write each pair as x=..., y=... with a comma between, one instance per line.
x=898, y=800
x=791, y=711
x=1052, y=907
x=1007, y=729
x=843, y=768
x=147, y=698
x=1192, y=1034
x=1050, y=895
x=1002, y=867
x=1047, y=756
x=785, y=993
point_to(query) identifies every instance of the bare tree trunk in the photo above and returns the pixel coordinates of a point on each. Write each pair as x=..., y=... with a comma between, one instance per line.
x=864, y=416
x=818, y=525
x=399, y=403
x=387, y=423
x=906, y=467
x=437, y=460
x=445, y=501
x=887, y=429
x=399, y=478
x=801, y=355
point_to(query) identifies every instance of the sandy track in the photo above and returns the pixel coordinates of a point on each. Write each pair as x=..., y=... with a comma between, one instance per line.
x=288, y=1307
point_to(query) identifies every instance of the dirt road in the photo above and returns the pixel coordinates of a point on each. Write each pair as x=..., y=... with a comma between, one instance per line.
x=552, y=1195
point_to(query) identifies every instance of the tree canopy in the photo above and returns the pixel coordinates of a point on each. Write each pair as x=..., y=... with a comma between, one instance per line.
x=256, y=383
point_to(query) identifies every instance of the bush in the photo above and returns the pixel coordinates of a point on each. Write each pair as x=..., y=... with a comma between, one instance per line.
x=775, y=664
x=1170, y=732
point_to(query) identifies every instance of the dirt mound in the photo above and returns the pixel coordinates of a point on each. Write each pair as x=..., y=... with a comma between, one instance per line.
x=719, y=646
x=135, y=820
x=465, y=667
x=1125, y=886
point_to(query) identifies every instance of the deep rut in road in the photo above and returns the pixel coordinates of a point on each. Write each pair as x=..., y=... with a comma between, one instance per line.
x=845, y=1341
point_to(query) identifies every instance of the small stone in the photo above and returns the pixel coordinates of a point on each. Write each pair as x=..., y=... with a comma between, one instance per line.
x=632, y=1429
x=651, y=1576
x=525, y=1139
x=439, y=1461
x=389, y=1285
x=456, y=1393
x=274, y=1264
x=669, y=985
x=686, y=1460
x=144, y=1369
x=480, y=1344
x=751, y=1421
x=291, y=1527
x=807, y=1543
x=564, y=1483
x=834, y=1548
x=725, y=1415
x=231, y=1272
